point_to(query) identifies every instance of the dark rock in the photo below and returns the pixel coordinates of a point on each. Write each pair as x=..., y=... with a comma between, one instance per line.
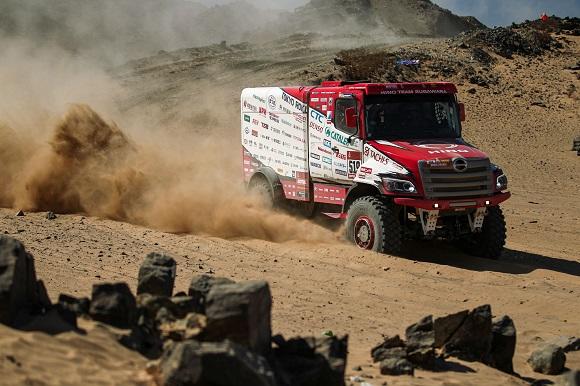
x=446, y=326
x=157, y=275
x=472, y=340
x=50, y=216
x=241, y=313
x=227, y=363
x=200, y=287
x=385, y=353
x=20, y=293
x=471, y=91
x=180, y=365
x=20, y=213
x=548, y=359
x=70, y=308
x=311, y=361
x=571, y=378
x=423, y=357
x=568, y=343
x=113, y=304
x=389, y=342
x=503, y=345
x=420, y=334
x=78, y=306
x=397, y=366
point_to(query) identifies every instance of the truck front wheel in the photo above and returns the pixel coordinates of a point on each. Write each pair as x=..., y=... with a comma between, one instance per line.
x=490, y=242
x=374, y=225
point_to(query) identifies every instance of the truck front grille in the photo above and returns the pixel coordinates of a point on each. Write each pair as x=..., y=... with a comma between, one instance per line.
x=442, y=180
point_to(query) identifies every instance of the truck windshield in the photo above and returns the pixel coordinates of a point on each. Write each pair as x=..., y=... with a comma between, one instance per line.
x=412, y=117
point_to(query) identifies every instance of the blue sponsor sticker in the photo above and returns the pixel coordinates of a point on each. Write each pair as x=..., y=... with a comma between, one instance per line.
x=327, y=143
x=327, y=160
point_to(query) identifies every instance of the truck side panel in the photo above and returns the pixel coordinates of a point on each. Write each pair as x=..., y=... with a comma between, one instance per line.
x=274, y=135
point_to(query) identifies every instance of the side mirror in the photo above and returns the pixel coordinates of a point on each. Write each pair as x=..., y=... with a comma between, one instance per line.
x=462, y=112
x=351, y=118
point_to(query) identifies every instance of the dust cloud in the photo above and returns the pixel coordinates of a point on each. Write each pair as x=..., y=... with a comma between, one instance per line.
x=58, y=153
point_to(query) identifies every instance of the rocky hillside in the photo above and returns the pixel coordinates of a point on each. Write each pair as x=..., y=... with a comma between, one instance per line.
x=116, y=31
x=416, y=17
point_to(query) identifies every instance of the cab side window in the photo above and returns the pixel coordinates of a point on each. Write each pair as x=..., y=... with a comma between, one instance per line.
x=339, y=113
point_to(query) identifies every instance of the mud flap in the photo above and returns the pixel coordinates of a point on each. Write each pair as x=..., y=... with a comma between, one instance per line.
x=476, y=219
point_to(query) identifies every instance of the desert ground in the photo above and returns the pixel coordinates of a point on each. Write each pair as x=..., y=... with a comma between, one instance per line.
x=526, y=122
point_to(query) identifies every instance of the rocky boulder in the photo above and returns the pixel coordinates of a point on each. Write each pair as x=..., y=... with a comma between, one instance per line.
x=113, y=304
x=311, y=361
x=472, y=340
x=157, y=275
x=420, y=342
x=199, y=289
x=548, y=359
x=20, y=293
x=213, y=364
x=241, y=313
x=503, y=345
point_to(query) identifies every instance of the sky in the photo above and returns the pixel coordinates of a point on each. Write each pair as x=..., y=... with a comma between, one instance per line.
x=490, y=12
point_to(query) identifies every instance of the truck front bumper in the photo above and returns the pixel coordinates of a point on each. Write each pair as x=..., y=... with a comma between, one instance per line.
x=456, y=204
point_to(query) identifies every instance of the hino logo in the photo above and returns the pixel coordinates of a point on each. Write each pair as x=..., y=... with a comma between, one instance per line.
x=460, y=164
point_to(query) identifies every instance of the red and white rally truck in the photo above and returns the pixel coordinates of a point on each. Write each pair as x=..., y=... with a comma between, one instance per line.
x=389, y=158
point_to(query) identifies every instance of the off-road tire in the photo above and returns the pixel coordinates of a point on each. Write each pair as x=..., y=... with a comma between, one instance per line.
x=490, y=242
x=385, y=228
x=273, y=195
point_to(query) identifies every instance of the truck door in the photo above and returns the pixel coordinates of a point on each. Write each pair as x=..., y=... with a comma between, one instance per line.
x=346, y=142
x=335, y=150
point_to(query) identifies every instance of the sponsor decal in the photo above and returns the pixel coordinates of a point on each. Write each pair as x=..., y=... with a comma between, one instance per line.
x=265, y=126
x=340, y=156
x=272, y=101
x=327, y=143
x=327, y=160
x=370, y=152
x=259, y=98
x=293, y=102
x=443, y=148
x=247, y=130
x=285, y=122
x=247, y=118
x=366, y=170
x=340, y=172
x=394, y=92
x=314, y=156
x=439, y=163
x=326, y=151
x=263, y=111
x=315, y=165
x=250, y=106
x=338, y=137
x=274, y=117
x=255, y=122
x=317, y=117
x=316, y=127
x=254, y=133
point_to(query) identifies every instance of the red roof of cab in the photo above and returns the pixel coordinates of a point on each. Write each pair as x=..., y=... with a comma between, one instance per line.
x=382, y=88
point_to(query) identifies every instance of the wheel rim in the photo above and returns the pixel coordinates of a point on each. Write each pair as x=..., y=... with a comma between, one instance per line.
x=364, y=232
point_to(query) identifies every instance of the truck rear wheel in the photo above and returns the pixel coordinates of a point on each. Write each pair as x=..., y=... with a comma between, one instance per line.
x=271, y=196
x=374, y=225
x=490, y=242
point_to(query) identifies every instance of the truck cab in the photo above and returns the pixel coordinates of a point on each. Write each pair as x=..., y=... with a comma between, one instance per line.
x=388, y=158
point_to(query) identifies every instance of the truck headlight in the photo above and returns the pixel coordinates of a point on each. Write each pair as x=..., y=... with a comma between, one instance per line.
x=501, y=182
x=399, y=186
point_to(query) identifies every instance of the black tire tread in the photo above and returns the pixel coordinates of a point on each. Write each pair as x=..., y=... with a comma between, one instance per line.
x=391, y=231
x=490, y=242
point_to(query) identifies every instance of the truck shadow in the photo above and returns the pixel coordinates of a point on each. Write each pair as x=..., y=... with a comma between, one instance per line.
x=512, y=261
